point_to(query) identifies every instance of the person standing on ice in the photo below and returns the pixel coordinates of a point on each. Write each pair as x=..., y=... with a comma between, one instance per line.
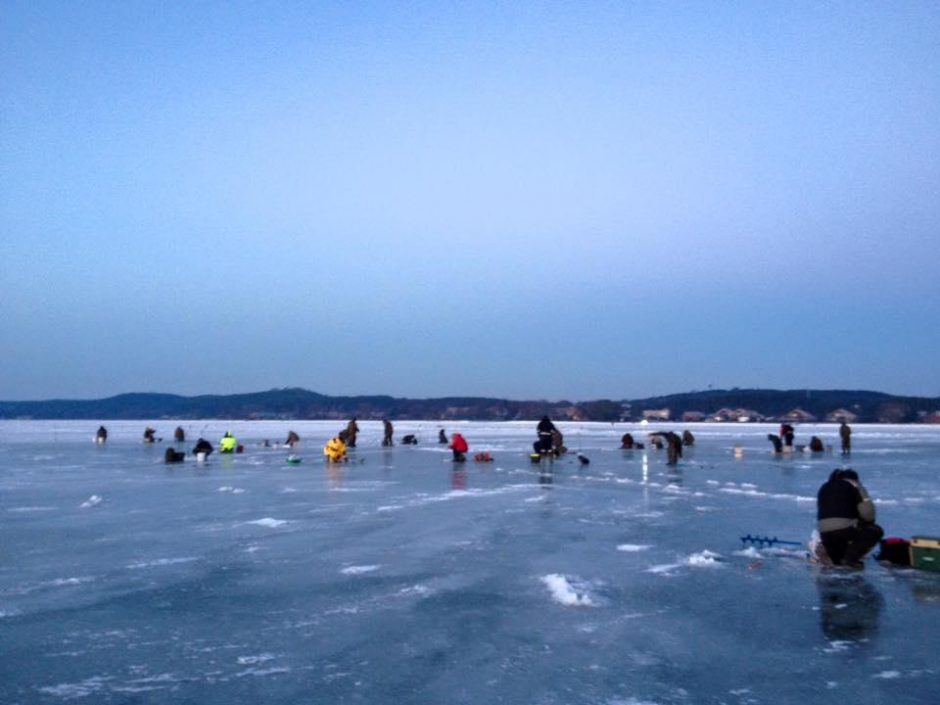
x=544, y=430
x=352, y=428
x=179, y=435
x=846, y=519
x=102, y=435
x=387, y=430
x=845, y=433
x=673, y=446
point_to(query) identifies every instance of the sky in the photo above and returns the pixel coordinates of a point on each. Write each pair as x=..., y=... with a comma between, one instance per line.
x=531, y=200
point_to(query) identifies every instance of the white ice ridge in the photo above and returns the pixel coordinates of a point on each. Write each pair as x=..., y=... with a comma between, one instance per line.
x=92, y=501
x=233, y=490
x=359, y=569
x=270, y=522
x=565, y=593
x=633, y=547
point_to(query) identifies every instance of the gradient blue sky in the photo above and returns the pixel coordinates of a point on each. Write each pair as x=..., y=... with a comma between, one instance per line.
x=527, y=200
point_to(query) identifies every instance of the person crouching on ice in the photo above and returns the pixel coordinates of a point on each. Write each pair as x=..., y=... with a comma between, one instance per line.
x=228, y=443
x=458, y=444
x=335, y=450
x=846, y=517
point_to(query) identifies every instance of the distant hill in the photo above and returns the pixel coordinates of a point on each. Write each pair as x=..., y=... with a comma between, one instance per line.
x=295, y=403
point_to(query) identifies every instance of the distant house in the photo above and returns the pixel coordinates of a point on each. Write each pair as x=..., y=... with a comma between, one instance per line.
x=736, y=415
x=692, y=416
x=723, y=414
x=798, y=416
x=656, y=414
x=933, y=417
x=840, y=415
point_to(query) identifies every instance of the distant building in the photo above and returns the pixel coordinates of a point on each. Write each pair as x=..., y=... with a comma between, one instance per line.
x=798, y=416
x=740, y=415
x=840, y=415
x=933, y=417
x=656, y=414
x=692, y=416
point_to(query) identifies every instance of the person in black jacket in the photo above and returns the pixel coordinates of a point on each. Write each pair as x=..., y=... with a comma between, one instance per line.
x=846, y=519
x=202, y=446
x=544, y=430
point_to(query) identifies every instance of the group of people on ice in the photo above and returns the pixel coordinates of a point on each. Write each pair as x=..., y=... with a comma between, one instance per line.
x=783, y=442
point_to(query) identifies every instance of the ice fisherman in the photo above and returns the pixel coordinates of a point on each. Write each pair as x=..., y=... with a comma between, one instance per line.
x=335, y=450
x=352, y=429
x=292, y=439
x=544, y=430
x=202, y=446
x=173, y=456
x=102, y=435
x=845, y=433
x=846, y=519
x=228, y=444
x=687, y=438
x=387, y=431
x=459, y=446
x=626, y=441
x=558, y=443
x=179, y=435
x=149, y=435
x=775, y=439
x=786, y=433
x=673, y=445
x=816, y=445
x=442, y=437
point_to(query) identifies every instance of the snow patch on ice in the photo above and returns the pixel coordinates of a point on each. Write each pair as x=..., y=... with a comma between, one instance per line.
x=749, y=552
x=359, y=569
x=633, y=547
x=664, y=569
x=838, y=646
x=567, y=592
x=82, y=689
x=233, y=490
x=269, y=522
x=160, y=562
x=92, y=501
x=887, y=675
x=251, y=660
x=60, y=582
x=704, y=559
x=19, y=510
x=263, y=671
x=420, y=590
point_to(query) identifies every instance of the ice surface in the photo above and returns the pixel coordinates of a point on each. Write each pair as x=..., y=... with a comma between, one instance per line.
x=401, y=577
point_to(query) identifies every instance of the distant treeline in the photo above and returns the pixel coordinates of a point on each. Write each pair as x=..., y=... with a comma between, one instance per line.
x=294, y=403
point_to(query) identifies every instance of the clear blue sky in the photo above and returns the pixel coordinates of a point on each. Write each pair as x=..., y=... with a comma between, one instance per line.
x=527, y=200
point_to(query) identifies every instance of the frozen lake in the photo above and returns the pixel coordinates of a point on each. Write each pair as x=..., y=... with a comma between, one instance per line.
x=402, y=578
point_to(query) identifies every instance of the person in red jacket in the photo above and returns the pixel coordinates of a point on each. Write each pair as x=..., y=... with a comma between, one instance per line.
x=458, y=445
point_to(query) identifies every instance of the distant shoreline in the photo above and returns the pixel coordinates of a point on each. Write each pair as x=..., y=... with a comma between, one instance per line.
x=294, y=404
